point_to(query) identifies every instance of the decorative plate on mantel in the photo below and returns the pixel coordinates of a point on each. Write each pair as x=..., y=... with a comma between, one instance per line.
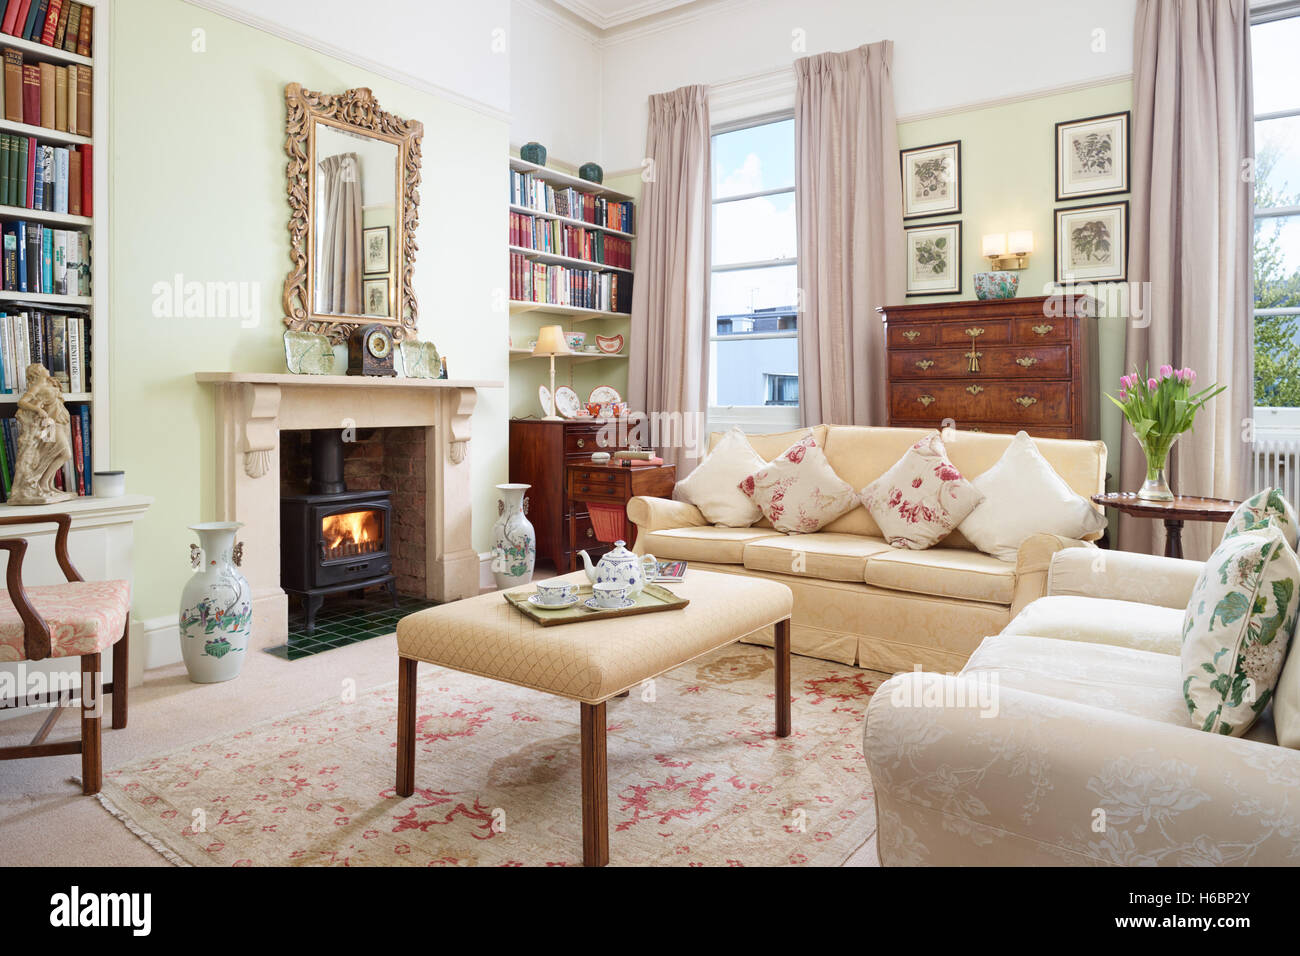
x=306, y=353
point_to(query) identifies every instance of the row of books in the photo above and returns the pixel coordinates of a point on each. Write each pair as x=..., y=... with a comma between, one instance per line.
x=53, y=178
x=38, y=259
x=76, y=474
x=551, y=235
x=45, y=94
x=62, y=24
x=527, y=190
x=59, y=342
x=561, y=285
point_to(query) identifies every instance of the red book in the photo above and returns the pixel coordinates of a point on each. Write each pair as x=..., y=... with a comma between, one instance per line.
x=16, y=16
x=87, y=180
x=32, y=94
x=51, y=22
x=78, y=457
x=11, y=15
x=31, y=172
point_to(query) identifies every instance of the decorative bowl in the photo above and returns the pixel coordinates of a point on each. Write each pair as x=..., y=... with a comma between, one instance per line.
x=591, y=172
x=610, y=344
x=996, y=285
x=533, y=153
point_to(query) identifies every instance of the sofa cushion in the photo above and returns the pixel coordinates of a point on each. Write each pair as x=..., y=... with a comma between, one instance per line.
x=713, y=486
x=1089, y=620
x=860, y=454
x=1118, y=679
x=703, y=543
x=832, y=557
x=1262, y=505
x=944, y=572
x=798, y=491
x=772, y=444
x=921, y=498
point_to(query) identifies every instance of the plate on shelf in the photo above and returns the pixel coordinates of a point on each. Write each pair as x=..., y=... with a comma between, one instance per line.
x=610, y=344
x=604, y=394
x=544, y=394
x=567, y=402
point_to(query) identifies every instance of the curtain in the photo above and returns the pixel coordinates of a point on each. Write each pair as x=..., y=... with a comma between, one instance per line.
x=850, y=211
x=338, y=236
x=1191, y=238
x=668, y=374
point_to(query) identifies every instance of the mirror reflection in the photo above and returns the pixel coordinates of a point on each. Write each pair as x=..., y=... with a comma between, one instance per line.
x=355, y=216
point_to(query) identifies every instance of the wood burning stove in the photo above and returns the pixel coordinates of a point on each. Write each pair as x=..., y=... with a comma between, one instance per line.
x=334, y=540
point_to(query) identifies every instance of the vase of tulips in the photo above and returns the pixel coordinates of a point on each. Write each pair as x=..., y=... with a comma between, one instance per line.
x=1160, y=408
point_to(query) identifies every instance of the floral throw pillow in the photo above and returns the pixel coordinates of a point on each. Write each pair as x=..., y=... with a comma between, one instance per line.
x=1237, y=627
x=921, y=498
x=798, y=491
x=1261, y=506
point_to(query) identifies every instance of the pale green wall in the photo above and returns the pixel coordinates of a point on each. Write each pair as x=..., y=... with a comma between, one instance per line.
x=1008, y=183
x=198, y=188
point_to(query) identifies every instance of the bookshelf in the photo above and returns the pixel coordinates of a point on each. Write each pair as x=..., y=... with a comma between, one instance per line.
x=528, y=316
x=93, y=307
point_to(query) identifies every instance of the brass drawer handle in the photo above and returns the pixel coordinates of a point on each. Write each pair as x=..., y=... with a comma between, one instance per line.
x=1026, y=361
x=974, y=389
x=974, y=333
x=1042, y=329
x=584, y=488
x=923, y=364
x=911, y=335
x=926, y=400
x=1024, y=401
x=582, y=443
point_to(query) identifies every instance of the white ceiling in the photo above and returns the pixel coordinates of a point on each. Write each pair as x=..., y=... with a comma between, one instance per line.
x=605, y=14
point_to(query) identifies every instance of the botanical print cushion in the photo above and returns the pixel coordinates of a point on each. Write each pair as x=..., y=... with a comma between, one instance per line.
x=798, y=491
x=1261, y=506
x=921, y=498
x=1237, y=627
x=713, y=486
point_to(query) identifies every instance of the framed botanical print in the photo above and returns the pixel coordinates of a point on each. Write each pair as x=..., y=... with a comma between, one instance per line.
x=1092, y=243
x=374, y=296
x=374, y=244
x=931, y=180
x=933, y=258
x=1092, y=157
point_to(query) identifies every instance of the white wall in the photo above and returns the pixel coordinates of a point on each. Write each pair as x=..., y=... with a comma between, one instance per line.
x=555, y=93
x=947, y=53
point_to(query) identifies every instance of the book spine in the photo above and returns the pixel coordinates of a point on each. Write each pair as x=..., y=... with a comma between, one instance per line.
x=62, y=29
x=79, y=454
x=51, y=22
x=47, y=260
x=33, y=14
x=60, y=179
x=74, y=23
x=60, y=262
x=28, y=191
x=11, y=16
x=7, y=346
x=86, y=31
x=87, y=180
x=87, y=459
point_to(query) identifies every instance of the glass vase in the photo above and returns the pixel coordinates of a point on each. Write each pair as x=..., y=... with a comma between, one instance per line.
x=1156, y=486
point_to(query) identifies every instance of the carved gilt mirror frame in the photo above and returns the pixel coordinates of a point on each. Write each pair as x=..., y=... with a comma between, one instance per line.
x=358, y=112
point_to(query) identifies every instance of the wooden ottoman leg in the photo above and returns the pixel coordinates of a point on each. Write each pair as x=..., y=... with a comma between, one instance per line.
x=782, y=650
x=406, y=726
x=595, y=787
x=121, y=664
x=92, y=704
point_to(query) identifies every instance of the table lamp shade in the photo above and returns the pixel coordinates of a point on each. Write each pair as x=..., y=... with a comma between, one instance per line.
x=550, y=341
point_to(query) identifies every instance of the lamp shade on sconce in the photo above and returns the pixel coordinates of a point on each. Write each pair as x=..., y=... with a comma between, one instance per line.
x=550, y=341
x=1020, y=243
x=993, y=245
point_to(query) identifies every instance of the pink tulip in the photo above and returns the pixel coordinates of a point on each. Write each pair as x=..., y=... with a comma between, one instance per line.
x=1191, y=375
x=1166, y=371
x=1123, y=395
x=1152, y=384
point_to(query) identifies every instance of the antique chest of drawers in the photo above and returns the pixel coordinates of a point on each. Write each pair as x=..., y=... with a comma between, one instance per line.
x=999, y=365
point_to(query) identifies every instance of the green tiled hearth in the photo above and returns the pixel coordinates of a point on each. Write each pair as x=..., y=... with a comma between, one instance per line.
x=346, y=621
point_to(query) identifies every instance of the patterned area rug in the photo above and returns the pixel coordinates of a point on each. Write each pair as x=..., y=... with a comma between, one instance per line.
x=696, y=777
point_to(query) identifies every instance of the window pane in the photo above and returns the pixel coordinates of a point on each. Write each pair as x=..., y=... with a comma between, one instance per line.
x=1276, y=67
x=754, y=300
x=754, y=230
x=756, y=372
x=1277, y=162
x=751, y=160
x=1277, y=337
x=1277, y=262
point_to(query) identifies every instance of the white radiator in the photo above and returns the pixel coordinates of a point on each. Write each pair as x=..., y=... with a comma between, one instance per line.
x=1277, y=465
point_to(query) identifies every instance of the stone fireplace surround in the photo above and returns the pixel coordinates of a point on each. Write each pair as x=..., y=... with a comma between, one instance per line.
x=252, y=409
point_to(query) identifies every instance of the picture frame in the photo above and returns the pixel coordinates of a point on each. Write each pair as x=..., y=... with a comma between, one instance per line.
x=1092, y=156
x=376, y=250
x=931, y=180
x=933, y=258
x=1092, y=243
x=374, y=297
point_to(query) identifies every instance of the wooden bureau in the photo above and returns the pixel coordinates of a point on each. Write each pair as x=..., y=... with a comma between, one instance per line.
x=590, y=485
x=539, y=452
x=997, y=365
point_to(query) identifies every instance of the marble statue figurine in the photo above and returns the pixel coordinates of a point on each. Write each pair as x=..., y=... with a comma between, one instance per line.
x=44, y=441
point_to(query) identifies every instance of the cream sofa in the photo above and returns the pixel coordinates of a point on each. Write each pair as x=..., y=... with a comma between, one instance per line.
x=1065, y=740
x=856, y=599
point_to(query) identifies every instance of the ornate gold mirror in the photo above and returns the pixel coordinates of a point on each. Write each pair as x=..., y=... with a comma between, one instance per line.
x=353, y=180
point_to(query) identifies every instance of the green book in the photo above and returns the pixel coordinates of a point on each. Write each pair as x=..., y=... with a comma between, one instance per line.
x=5, y=142
x=6, y=473
x=20, y=181
x=11, y=165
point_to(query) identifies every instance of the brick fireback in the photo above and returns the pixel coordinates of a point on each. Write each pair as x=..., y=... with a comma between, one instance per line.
x=380, y=459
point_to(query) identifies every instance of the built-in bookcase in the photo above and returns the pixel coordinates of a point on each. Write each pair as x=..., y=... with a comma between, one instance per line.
x=93, y=306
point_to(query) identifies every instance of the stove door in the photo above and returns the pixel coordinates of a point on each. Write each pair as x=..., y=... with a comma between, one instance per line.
x=352, y=544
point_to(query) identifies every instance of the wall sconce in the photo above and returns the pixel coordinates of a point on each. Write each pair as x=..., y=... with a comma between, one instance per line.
x=1008, y=250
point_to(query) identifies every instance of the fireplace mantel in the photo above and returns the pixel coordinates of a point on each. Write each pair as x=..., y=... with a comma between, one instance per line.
x=252, y=408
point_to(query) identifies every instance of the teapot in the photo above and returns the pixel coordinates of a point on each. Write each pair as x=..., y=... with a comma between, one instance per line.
x=621, y=566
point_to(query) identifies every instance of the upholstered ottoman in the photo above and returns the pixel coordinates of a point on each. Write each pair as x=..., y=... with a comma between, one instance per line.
x=588, y=661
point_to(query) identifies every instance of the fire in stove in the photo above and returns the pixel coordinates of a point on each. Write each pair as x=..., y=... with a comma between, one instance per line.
x=352, y=533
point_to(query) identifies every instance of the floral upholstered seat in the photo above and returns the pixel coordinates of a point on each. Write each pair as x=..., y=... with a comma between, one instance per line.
x=84, y=617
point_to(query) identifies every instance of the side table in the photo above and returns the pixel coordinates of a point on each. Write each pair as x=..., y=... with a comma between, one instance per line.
x=1182, y=508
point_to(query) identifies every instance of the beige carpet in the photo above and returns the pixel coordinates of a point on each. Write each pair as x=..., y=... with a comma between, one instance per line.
x=696, y=777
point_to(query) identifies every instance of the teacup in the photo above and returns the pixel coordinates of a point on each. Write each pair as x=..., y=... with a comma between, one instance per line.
x=555, y=592
x=610, y=594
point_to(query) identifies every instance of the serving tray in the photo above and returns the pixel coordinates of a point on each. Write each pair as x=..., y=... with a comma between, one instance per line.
x=651, y=598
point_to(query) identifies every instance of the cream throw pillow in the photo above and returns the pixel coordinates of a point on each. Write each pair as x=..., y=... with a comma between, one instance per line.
x=1237, y=628
x=921, y=498
x=1023, y=495
x=799, y=491
x=713, y=486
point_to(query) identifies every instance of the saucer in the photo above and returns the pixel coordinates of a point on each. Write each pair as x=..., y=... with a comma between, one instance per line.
x=532, y=599
x=591, y=605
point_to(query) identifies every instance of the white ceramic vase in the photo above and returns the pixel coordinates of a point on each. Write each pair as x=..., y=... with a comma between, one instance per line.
x=514, y=542
x=216, y=618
